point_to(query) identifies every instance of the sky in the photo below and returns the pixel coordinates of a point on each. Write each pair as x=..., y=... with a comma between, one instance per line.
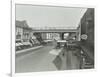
x=46, y=16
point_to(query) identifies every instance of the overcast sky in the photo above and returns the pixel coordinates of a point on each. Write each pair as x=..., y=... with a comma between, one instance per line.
x=44, y=16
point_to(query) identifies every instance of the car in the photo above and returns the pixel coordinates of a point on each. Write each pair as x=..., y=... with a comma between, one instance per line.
x=27, y=44
x=36, y=42
x=19, y=45
x=60, y=43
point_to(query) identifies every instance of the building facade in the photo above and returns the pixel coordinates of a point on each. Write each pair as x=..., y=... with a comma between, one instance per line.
x=87, y=36
x=23, y=31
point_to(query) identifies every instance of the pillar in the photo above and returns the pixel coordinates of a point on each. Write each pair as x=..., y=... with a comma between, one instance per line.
x=62, y=36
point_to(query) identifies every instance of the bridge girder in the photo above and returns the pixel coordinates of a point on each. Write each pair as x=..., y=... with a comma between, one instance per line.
x=56, y=31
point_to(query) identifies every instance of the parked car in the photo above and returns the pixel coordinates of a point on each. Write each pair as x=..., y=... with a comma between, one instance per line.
x=19, y=45
x=36, y=42
x=27, y=44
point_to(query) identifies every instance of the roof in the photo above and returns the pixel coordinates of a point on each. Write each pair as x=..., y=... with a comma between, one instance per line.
x=22, y=24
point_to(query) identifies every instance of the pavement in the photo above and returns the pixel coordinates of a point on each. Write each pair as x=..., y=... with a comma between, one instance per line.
x=25, y=50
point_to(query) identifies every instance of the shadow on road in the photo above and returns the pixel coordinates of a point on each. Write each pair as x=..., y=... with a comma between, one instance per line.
x=68, y=59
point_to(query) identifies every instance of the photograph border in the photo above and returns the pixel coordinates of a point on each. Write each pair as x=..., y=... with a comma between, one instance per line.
x=13, y=18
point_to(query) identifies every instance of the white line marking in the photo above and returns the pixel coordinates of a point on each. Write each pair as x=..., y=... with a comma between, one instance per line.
x=55, y=51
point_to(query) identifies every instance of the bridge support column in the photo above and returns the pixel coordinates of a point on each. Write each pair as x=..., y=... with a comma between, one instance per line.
x=62, y=36
x=44, y=36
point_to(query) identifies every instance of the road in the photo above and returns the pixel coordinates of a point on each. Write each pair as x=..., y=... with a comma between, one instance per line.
x=37, y=60
x=46, y=59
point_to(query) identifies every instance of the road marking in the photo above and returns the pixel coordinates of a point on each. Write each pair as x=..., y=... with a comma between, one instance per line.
x=55, y=51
